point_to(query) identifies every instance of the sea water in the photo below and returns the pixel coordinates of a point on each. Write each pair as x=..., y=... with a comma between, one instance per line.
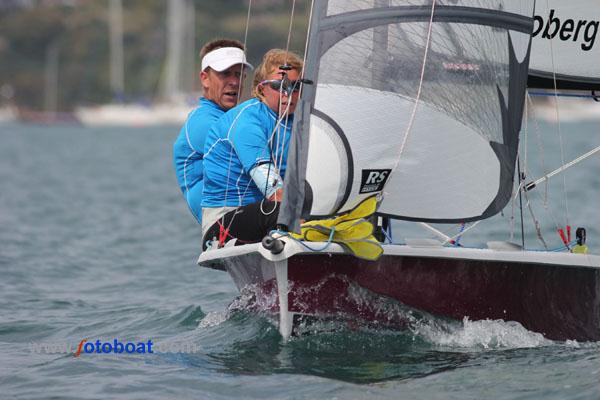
x=98, y=252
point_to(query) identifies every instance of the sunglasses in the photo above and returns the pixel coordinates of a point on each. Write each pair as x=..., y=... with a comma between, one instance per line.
x=284, y=85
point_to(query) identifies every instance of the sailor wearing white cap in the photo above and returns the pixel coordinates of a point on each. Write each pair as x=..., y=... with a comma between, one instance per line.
x=223, y=58
x=223, y=69
x=221, y=75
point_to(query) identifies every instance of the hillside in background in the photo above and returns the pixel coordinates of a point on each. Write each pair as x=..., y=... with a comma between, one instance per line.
x=63, y=47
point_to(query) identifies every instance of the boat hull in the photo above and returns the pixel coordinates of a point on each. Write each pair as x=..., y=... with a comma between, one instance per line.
x=552, y=296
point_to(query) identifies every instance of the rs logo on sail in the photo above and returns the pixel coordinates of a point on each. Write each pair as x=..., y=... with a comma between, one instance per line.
x=567, y=30
x=373, y=180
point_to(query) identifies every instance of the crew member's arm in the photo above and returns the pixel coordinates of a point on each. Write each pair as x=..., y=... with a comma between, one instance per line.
x=249, y=137
x=268, y=181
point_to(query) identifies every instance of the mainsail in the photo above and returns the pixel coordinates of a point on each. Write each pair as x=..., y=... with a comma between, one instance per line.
x=366, y=59
x=564, y=32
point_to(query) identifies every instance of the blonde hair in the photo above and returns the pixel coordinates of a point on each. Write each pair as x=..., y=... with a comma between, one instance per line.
x=270, y=63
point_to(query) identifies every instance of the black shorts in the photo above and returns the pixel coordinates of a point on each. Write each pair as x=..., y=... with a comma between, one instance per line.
x=249, y=224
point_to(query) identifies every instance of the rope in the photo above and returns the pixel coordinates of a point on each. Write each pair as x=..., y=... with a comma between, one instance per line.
x=564, y=167
x=245, y=40
x=287, y=46
x=414, y=111
x=451, y=238
x=247, y=22
x=562, y=150
x=536, y=222
x=538, y=133
x=310, y=15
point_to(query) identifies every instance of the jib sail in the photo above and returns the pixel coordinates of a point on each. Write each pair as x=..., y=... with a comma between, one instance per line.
x=366, y=59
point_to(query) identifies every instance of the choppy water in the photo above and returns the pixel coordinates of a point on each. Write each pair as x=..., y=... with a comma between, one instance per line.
x=96, y=243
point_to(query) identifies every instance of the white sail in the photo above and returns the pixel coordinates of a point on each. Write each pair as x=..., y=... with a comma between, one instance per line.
x=366, y=58
x=566, y=44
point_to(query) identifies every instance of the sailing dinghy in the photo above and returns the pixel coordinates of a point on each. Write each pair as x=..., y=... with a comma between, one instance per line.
x=417, y=105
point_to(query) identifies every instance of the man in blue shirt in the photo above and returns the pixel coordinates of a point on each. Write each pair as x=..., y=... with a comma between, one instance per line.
x=246, y=153
x=223, y=65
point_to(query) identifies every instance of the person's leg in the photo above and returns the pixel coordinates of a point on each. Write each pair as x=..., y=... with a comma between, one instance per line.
x=249, y=224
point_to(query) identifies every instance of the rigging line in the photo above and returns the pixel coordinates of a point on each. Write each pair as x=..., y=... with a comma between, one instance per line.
x=269, y=144
x=437, y=232
x=465, y=230
x=247, y=23
x=276, y=128
x=277, y=159
x=521, y=200
x=560, y=169
x=522, y=151
x=525, y=141
x=283, y=141
x=414, y=111
x=538, y=133
x=287, y=46
x=542, y=199
x=310, y=15
x=511, y=222
x=240, y=86
x=562, y=151
x=548, y=209
x=523, y=147
x=536, y=222
x=280, y=144
x=230, y=152
x=442, y=235
x=274, y=134
x=530, y=108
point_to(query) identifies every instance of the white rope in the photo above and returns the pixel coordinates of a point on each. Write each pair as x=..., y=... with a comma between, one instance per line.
x=443, y=236
x=240, y=86
x=310, y=15
x=544, y=199
x=437, y=232
x=522, y=151
x=465, y=230
x=536, y=222
x=247, y=23
x=538, y=134
x=287, y=46
x=562, y=150
x=564, y=167
x=414, y=111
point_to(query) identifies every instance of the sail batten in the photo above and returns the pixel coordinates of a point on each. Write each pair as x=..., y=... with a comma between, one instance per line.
x=366, y=63
x=363, y=19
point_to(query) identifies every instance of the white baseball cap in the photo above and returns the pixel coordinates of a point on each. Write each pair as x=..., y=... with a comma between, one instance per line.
x=223, y=58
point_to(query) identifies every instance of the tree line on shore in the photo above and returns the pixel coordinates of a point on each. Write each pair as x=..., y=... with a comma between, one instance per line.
x=74, y=37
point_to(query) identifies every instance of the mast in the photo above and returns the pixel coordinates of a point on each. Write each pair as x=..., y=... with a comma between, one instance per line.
x=51, y=77
x=177, y=21
x=117, y=66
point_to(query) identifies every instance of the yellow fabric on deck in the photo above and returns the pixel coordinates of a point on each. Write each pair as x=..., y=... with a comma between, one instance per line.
x=351, y=230
x=579, y=249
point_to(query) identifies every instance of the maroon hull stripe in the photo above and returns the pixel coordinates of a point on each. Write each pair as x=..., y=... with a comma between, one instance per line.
x=562, y=302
